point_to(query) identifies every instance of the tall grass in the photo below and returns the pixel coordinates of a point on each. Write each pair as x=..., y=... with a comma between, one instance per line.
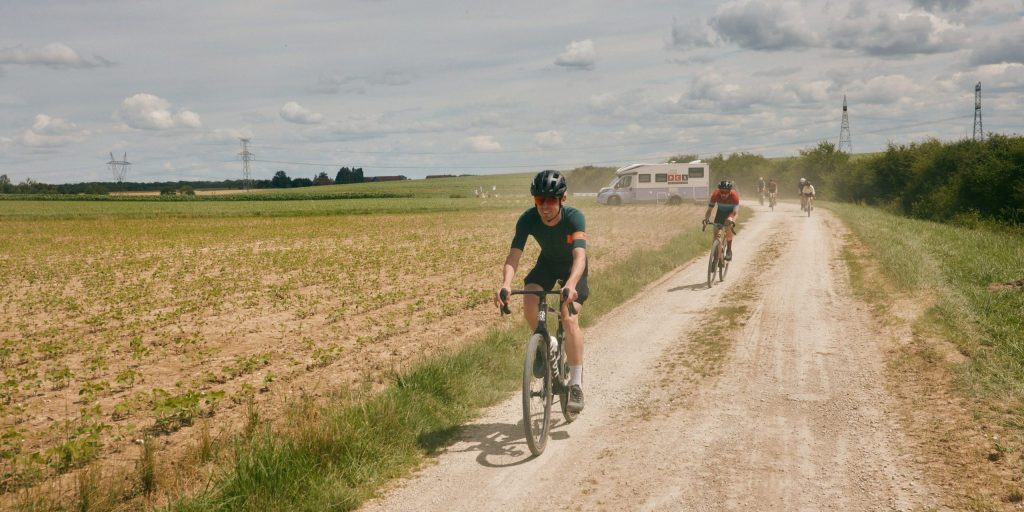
x=956, y=266
x=334, y=456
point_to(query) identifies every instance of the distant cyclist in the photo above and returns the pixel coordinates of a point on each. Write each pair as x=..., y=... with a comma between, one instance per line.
x=800, y=193
x=773, y=191
x=807, y=195
x=561, y=233
x=728, y=201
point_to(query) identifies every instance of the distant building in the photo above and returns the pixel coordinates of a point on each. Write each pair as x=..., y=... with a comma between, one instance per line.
x=384, y=178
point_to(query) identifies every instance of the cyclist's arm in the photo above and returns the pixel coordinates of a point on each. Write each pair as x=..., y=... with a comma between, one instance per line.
x=579, y=263
x=735, y=211
x=508, y=271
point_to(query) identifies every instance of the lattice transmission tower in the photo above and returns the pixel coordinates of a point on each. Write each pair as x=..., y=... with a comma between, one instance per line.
x=246, y=157
x=979, y=134
x=119, y=167
x=845, y=144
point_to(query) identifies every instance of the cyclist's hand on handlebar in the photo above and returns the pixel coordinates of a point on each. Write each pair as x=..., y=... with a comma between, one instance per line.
x=569, y=295
x=501, y=300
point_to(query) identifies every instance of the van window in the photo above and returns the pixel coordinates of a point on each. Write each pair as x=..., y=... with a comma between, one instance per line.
x=624, y=182
x=661, y=177
x=644, y=178
x=696, y=172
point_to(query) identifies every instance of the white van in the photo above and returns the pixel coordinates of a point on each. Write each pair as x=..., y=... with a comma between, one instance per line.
x=662, y=183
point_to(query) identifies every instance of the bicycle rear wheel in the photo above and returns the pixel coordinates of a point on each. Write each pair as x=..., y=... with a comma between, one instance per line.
x=723, y=269
x=537, y=395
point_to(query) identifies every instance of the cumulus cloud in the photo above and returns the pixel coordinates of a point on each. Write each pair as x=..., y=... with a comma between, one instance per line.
x=49, y=131
x=53, y=55
x=694, y=33
x=993, y=77
x=884, y=90
x=941, y=5
x=356, y=84
x=578, y=55
x=777, y=71
x=550, y=138
x=295, y=113
x=1006, y=49
x=227, y=134
x=905, y=33
x=762, y=26
x=148, y=112
x=483, y=143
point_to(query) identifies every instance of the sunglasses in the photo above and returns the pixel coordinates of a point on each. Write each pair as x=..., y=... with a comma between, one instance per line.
x=539, y=200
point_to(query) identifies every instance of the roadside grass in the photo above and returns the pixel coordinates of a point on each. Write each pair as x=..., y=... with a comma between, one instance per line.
x=335, y=456
x=960, y=367
x=956, y=266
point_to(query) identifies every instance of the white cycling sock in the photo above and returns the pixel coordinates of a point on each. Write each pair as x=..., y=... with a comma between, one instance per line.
x=576, y=375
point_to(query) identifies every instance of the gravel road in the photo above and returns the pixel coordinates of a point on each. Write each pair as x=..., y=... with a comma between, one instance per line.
x=794, y=417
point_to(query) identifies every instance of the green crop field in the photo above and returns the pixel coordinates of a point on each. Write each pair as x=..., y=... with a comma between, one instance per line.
x=130, y=319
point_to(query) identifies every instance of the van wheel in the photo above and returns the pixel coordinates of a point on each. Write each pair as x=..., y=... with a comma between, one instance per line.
x=675, y=201
x=614, y=200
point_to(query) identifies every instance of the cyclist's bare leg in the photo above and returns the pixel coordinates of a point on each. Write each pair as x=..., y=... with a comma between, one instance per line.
x=728, y=237
x=573, y=335
x=531, y=305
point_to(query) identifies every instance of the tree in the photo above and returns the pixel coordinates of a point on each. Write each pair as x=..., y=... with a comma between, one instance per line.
x=96, y=189
x=5, y=184
x=187, y=190
x=280, y=180
x=322, y=179
x=681, y=159
x=302, y=182
x=346, y=175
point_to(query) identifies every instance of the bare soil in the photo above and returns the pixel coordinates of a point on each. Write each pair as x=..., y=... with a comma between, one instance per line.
x=766, y=392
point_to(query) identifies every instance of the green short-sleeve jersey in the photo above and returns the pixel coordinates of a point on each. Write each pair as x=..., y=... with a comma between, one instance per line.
x=556, y=242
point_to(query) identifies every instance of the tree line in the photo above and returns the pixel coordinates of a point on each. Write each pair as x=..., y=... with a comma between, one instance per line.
x=963, y=181
x=279, y=180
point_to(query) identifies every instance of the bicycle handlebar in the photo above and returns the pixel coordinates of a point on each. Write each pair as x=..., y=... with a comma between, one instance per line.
x=539, y=293
x=705, y=222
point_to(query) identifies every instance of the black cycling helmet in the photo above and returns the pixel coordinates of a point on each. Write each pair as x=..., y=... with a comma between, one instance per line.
x=548, y=184
x=725, y=185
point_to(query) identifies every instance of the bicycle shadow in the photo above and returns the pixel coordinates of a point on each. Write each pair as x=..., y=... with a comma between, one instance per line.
x=502, y=445
x=703, y=285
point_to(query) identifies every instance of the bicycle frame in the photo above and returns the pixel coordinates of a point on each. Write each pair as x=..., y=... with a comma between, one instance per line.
x=716, y=260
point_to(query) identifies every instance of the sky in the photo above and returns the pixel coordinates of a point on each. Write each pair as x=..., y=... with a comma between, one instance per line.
x=417, y=88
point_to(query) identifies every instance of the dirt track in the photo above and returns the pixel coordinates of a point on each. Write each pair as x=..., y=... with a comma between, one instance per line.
x=796, y=417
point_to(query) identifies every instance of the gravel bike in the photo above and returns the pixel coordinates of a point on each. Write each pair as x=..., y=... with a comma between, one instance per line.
x=545, y=371
x=716, y=260
x=771, y=200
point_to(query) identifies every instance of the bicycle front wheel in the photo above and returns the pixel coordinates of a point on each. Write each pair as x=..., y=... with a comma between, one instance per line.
x=712, y=263
x=537, y=394
x=723, y=270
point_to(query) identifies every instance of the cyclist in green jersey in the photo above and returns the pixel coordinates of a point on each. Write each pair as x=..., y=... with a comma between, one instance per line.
x=561, y=233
